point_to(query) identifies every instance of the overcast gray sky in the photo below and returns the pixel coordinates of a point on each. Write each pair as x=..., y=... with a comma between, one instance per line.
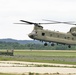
x=11, y=11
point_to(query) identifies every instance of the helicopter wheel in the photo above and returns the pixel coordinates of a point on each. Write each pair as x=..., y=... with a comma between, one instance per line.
x=52, y=44
x=45, y=44
x=69, y=46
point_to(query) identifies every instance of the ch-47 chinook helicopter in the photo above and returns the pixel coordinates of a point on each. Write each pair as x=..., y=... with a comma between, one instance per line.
x=52, y=37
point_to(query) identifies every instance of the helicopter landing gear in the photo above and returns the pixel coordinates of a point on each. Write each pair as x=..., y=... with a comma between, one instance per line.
x=52, y=44
x=69, y=46
x=45, y=44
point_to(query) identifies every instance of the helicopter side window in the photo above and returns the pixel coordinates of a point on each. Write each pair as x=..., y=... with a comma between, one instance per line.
x=65, y=37
x=50, y=34
x=36, y=32
x=58, y=35
x=68, y=38
x=43, y=34
x=72, y=38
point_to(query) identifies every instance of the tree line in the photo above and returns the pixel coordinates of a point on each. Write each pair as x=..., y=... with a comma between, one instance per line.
x=33, y=46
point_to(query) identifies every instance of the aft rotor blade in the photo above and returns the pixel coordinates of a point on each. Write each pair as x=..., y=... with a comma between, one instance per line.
x=52, y=21
x=70, y=22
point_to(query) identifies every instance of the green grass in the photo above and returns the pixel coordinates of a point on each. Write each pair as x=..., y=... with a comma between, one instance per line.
x=48, y=53
x=60, y=56
x=9, y=74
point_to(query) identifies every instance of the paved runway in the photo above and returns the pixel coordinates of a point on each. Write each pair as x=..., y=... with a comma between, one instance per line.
x=18, y=67
x=37, y=70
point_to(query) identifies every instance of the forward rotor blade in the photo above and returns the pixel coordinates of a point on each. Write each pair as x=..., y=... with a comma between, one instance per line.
x=35, y=23
x=27, y=22
x=19, y=23
x=47, y=23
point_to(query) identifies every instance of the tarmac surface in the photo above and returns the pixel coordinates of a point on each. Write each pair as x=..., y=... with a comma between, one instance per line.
x=24, y=67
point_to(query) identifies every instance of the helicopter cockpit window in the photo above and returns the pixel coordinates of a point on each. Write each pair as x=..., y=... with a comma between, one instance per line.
x=43, y=34
x=33, y=32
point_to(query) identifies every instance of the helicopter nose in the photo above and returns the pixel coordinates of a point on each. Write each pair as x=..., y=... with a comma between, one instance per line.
x=30, y=35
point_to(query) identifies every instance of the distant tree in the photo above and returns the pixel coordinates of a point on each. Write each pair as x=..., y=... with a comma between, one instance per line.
x=15, y=45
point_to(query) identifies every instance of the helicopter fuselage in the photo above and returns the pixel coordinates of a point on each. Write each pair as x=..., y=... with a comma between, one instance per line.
x=53, y=36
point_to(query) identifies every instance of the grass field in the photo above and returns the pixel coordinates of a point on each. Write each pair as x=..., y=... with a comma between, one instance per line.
x=9, y=74
x=49, y=56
